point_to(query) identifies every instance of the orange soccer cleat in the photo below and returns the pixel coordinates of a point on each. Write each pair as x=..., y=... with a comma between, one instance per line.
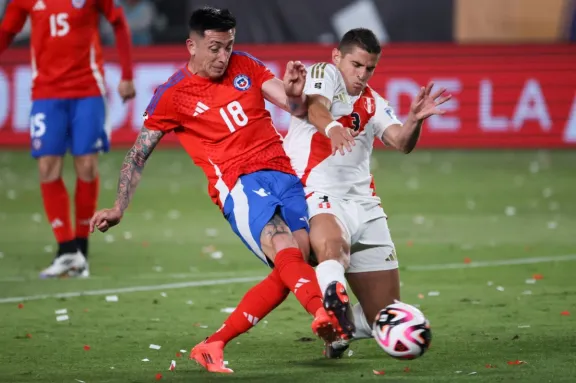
x=210, y=356
x=325, y=326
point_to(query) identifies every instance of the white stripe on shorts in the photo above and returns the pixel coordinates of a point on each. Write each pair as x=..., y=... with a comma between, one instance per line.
x=242, y=217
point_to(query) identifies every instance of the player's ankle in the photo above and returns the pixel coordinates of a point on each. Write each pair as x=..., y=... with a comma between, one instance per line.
x=67, y=247
x=82, y=245
x=329, y=271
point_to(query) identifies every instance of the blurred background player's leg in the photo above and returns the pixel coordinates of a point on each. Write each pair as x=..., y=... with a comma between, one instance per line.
x=88, y=138
x=50, y=139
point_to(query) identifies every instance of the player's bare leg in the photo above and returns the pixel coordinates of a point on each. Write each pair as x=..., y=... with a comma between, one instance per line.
x=374, y=290
x=57, y=208
x=282, y=247
x=85, y=199
x=330, y=243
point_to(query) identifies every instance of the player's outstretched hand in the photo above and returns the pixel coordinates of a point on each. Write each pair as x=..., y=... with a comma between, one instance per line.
x=294, y=78
x=426, y=103
x=341, y=138
x=126, y=90
x=105, y=219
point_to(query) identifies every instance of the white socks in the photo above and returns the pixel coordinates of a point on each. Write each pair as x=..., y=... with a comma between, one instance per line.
x=363, y=328
x=328, y=272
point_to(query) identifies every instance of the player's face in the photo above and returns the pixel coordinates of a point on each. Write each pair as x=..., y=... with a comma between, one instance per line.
x=357, y=67
x=211, y=52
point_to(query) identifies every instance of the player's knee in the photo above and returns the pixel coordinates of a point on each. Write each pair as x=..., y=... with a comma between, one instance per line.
x=49, y=168
x=332, y=248
x=86, y=167
x=277, y=236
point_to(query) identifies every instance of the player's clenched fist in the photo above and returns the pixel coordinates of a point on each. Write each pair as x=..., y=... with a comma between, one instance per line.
x=126, y=90
x=341, y=138
x=105, y=219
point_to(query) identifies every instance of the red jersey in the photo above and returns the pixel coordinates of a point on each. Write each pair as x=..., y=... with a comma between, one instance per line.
x=223, y=125
x=66, y=51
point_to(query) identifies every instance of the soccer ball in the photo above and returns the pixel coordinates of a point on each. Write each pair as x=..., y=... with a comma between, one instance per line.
x=402, y=331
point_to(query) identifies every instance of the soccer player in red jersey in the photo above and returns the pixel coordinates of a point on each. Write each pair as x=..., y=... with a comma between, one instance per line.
x=216, y=107
x=68, y=110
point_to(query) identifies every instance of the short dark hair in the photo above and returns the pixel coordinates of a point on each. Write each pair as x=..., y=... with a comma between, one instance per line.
x=362, y=38
x=210, y=18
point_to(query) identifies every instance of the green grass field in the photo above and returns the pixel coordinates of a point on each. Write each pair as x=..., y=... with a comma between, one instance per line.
x=444, y=208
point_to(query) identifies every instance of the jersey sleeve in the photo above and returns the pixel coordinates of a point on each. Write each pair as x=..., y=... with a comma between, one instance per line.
x=321, y=80
x=260, y=72
x=383, y=117
x=111, y=9
x=160, y=113
x=14, y=17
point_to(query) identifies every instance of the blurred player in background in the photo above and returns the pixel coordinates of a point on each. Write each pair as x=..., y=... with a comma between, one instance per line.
x=68, y=110
x=216, y=107
x=348, y=228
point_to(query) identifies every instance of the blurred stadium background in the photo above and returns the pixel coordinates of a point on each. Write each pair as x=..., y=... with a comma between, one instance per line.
x=482, y=213
x=509, y=63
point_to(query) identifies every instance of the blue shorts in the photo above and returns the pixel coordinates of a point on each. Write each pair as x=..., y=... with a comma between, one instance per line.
x=255, y=199
x=75, y=124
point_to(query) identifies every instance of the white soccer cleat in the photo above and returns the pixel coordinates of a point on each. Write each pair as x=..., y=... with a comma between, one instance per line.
x=72, y=264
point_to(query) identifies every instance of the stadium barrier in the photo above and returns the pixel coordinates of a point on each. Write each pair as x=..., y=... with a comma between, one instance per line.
x=503, y=96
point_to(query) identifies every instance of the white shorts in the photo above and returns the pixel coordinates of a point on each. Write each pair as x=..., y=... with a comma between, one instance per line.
x=366, y=224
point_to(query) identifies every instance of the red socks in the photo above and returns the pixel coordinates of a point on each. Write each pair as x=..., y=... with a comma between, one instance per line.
x=57, y=207
x=300, y=278
x=291, y=273
x=86, y=199
x=255, y=305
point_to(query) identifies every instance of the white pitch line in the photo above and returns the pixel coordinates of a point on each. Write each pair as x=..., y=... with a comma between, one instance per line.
x=133, y=289
x=501, y=262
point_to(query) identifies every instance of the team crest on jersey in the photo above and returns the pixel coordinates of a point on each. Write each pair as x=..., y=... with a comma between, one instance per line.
x=242, y=82
x=369, y=105
x=78, y=3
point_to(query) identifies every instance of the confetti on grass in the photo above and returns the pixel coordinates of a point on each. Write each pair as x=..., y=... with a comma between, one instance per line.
x=112, y=298
x=516, y=362
x=86, y=348
x=155, y=347
x=565, y=313
x=228, y=310
x=158, y=376
x=172, y=366
x=379, y=372
x=145, y=360
x=61, y=312
x=62, y=318
x=20, y=305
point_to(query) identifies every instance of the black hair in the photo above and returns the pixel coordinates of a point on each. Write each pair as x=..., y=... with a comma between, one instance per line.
x=362, y=38
x=210, y=18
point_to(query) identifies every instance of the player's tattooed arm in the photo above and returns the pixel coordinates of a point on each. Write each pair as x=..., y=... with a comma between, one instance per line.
x=134, y=163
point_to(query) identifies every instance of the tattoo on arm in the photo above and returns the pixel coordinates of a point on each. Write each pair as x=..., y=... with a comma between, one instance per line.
x=275, y=227
x=133, y=165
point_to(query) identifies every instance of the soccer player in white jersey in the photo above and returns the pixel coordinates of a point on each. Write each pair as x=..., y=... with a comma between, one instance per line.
x=348, y=228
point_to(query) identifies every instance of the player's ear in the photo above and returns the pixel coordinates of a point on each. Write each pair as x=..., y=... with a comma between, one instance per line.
x=191, y=45
x=336, y=56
